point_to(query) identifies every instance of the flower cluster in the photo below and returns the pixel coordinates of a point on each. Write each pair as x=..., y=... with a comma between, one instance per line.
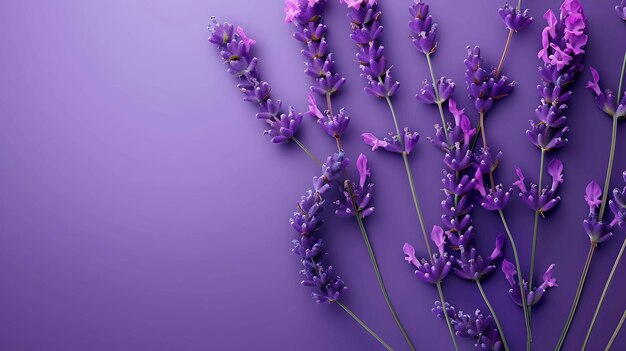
x=494, y=199
x=606, y=99
x=484, y=87
x=472, y=266
x=403, y=143
x=427, y=93
x=547, y=199
x=357, y=196
x=596, y=228
x=563, y=48
x=435, y=269
x=235, y=46
x=423, y=30
x=333, y=125
x=310, y=248
x=534, y=296
x=366, y=31
x=478, y=327
x=514, y=18
x=618, y=205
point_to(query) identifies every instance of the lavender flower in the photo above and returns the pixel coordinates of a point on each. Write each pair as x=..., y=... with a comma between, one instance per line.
x=333, y=125
x=513, y=18
x=621, y=10
x=484, y=88
x=485, y=161
x=563, y=40
x=534, y=296
x=606, y=100
x=423, y=30
x=366, y=31
x=309, y=248
x=235, y=46
x=403, y=143
x=431, y=271
x=618, y=205
x=472, y=266
x=547, y=199
x=427, y=94
x=597, y=230
x=496, y=198
x=357, y=195
x=480, y=328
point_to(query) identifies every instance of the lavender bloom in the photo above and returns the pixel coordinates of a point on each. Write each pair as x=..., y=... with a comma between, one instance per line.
x=513, y=18
x=366, y=31
x=494, y=200
x=423, y=30
x=403, y=143
x=484, y=88
x=621, y=10
x=472, y=266
x=534, y=296
x=427, y=94
x=482, y=329
x=485, y=162
x=309, y=248
x=235, y=46
x=357, y=195
x=547, y=199
x=563, y=39
x=335, y=125
x=606, y=100
x=618, y=205
x=597, y=230
x=431, y=271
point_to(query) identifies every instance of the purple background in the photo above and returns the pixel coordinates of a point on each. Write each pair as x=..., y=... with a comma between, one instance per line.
x=142, y=209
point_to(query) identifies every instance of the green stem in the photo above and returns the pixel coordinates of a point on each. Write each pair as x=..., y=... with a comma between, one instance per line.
x=520, y=280
x=439, y=102
x=617, y=329
x=581, y=284
x=536, y=224
x=306, y=150
x=609, y=169
x=443, y=305
x=362, y=324
x=604, y=291
x=493, y=314
x=506, y=50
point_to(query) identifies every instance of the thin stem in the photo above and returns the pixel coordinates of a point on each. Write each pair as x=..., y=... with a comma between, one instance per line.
x=617, y=329
x=306, y=150
x=493, y=314
x=506, y=50
x=443, y=304
x=483, y=133
x=370, y=251
x=439, y=102
x=604, y=291
x=362, y=324
x=609, y=169
x=520, y=280
x=621, y=78
x=581, y=284
x=536, y=224
x=519, y=5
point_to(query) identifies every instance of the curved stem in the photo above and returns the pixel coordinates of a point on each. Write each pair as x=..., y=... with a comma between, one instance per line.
x=439, y=102
x=362, y=324
x=306, y=150
x=535, y=226
x=493, y=313
x=520, y=280
x=443, y=304
x=609, y=169
x=604, y=291
x=581, y=284
x=617, y=329
x=506, y=50
x=483, y=133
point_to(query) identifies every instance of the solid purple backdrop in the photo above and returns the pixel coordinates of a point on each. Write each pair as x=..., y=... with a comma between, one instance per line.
x=142, y=209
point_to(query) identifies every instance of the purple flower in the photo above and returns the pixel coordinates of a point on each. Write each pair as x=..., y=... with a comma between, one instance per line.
x=423, y=30
x=485, y=162
x=513, y=18
x=306, y=222
x=335, y=125
x=431, y=271
x=235, y=46
x=481, y=329
x=597, y=230
x=547, y=199
x=621, y=10
x=484, y=88
x=593, y=192
x=618, y=205
x=534, y=296
x=427, y=94
x=403, y=143
x=357, y=197
x=496, y=198
x=563, y=39
x=606, y=100
x=472, y=266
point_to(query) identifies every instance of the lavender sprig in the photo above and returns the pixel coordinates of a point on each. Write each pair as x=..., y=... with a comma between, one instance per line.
x=531, y=295
x=480, y=328
x=515, y=20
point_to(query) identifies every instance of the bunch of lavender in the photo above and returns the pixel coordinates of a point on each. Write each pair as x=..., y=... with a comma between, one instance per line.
x=480, y=328
x=306, y=221
x=595, y=225
x=234, y=48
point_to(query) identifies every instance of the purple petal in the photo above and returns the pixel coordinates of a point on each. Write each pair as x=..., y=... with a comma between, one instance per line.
x=364, y=170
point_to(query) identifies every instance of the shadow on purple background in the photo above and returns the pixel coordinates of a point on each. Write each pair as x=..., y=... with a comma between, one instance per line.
x=142, y=209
